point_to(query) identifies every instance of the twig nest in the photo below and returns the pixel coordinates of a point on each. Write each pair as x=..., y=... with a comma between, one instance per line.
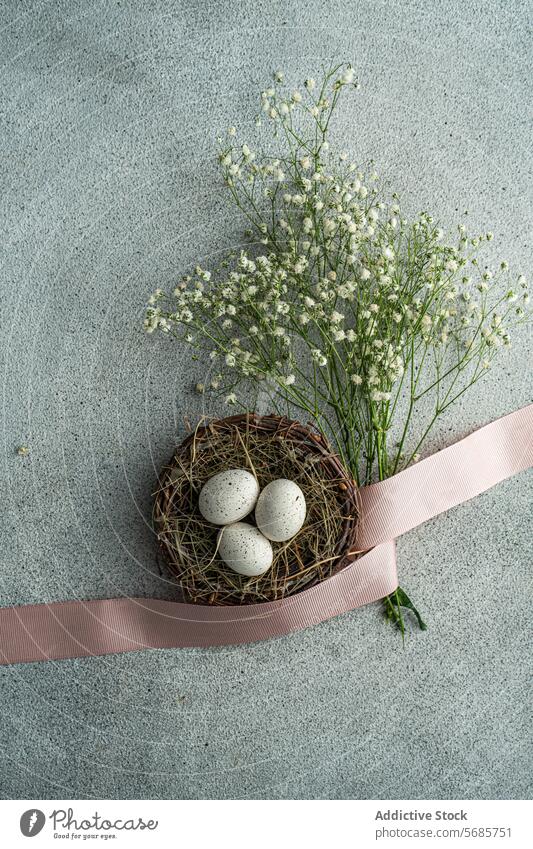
x=228, y=496
x=280, y=510
x=244, y=549
x=267, y=449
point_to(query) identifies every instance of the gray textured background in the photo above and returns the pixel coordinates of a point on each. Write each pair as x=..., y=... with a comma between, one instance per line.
x=109, y=188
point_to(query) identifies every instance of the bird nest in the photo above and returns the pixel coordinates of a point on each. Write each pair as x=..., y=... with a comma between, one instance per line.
x=270, y=447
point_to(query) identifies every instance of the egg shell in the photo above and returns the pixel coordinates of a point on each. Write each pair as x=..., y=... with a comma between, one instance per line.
x=280, y=510
x=244, y=549
x=228, y=496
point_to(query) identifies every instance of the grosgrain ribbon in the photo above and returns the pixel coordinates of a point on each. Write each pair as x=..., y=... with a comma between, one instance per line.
x=106, y=626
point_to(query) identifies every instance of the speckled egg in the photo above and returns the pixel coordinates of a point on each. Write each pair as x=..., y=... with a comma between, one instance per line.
x=244, y=549
x=228, y=496
x=280, y=510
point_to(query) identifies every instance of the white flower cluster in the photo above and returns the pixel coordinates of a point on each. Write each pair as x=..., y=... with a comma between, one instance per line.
x=348, y=304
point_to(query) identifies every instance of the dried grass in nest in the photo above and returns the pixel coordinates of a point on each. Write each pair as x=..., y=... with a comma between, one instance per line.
x=270, y=447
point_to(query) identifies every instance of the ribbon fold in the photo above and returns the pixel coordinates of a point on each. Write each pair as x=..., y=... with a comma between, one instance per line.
x=389, y=508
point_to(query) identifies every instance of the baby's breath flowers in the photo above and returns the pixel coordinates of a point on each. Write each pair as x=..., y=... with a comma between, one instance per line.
x=371, y=323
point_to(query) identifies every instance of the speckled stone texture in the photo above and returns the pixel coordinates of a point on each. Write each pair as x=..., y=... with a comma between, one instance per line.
x=109, y=114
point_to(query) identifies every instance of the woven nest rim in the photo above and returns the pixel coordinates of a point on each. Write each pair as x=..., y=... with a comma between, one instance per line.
x=176, y=481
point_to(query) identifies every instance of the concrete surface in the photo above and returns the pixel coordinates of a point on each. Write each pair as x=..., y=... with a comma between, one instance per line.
x=109, y=188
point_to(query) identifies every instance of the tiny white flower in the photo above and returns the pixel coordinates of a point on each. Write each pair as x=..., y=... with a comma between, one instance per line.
x=348, y=76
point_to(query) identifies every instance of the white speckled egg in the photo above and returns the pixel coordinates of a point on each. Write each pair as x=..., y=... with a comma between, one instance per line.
x=228, y=496
x=244, y=549
x=280, y=510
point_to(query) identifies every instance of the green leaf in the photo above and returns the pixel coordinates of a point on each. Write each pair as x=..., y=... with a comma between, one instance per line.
x=393, y=605
x=405, y=601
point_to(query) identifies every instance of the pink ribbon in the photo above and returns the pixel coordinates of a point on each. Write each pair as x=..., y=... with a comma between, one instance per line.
x=86, y=628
